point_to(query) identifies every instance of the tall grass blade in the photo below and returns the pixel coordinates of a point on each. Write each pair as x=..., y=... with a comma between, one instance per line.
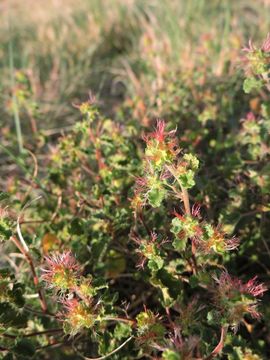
x=15, y=108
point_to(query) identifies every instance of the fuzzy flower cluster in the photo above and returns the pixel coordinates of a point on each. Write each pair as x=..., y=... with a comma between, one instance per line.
x=63, y=273
x=77, y=315
x=205, y=237
x=164, y=168
x=257, y=66
x=237, y=299
x=161, y=146
x=149, y=251
x=265, y=47
x=149, y=327
x=180, y=347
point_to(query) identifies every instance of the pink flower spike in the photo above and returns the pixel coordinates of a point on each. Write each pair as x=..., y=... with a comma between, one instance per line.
x=153, y=236
x=232, y=243
x=250, y=116
x=70, y=304
x=227, y=284
x=250, y=47
x=195, y=211
x=141, y=183
x=266, y=44
x=253, y=288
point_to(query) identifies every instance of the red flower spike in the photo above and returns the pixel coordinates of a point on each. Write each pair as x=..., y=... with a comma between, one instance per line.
x=253, y=288
x=70, y=304
x=159, y=134
x=179, y=216
x=236, y=299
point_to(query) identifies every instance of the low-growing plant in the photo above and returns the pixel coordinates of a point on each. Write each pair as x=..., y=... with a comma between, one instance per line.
x=119, y=256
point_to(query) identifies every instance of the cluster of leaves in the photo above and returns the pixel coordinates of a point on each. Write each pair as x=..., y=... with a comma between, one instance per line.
x=118, y=259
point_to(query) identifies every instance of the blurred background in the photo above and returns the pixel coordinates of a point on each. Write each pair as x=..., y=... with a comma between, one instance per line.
x=52, y=53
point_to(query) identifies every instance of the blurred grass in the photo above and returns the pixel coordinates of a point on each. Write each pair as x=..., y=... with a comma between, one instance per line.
x=115, y=48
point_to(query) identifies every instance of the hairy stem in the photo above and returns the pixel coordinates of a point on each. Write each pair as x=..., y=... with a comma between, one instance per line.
x=185, y=198
x=29, y=259
x=217, y=350
x=111, y=353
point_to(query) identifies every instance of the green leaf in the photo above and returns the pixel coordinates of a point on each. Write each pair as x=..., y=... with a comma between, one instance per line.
x=17, y=294
x=252, y=83
x=76, y=227
x=177, y=226
x=122, y=330
x=183, y=229
x=193, y=281
x=192, y=161
x=3, y=195
x=10, y=316
x=24, y=347
x=148, y=322
x=180, y=244
x=213, y=317
x=115, y=264
x=169, y=285
x=187, y=179
x=170, y=355
x=155, y=196
x=5, y=229
x=156, y=263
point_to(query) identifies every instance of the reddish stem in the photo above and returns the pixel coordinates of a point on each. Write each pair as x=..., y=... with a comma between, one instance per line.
x=98, y=154
x=220, y=345
x=29, y=259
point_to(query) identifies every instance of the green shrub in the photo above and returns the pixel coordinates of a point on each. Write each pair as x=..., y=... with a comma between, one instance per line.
x=115, y=257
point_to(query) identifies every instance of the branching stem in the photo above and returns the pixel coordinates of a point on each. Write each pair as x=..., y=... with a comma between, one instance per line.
x=111, y=353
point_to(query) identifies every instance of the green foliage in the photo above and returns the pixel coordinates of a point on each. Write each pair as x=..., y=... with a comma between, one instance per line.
x=187, y=179
x=116, y=258
x=170, y=355
x=24, y=348
x=252, y=84
x=156, y=195
x=5, y=229
x=148, y=324
x=183, y=229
